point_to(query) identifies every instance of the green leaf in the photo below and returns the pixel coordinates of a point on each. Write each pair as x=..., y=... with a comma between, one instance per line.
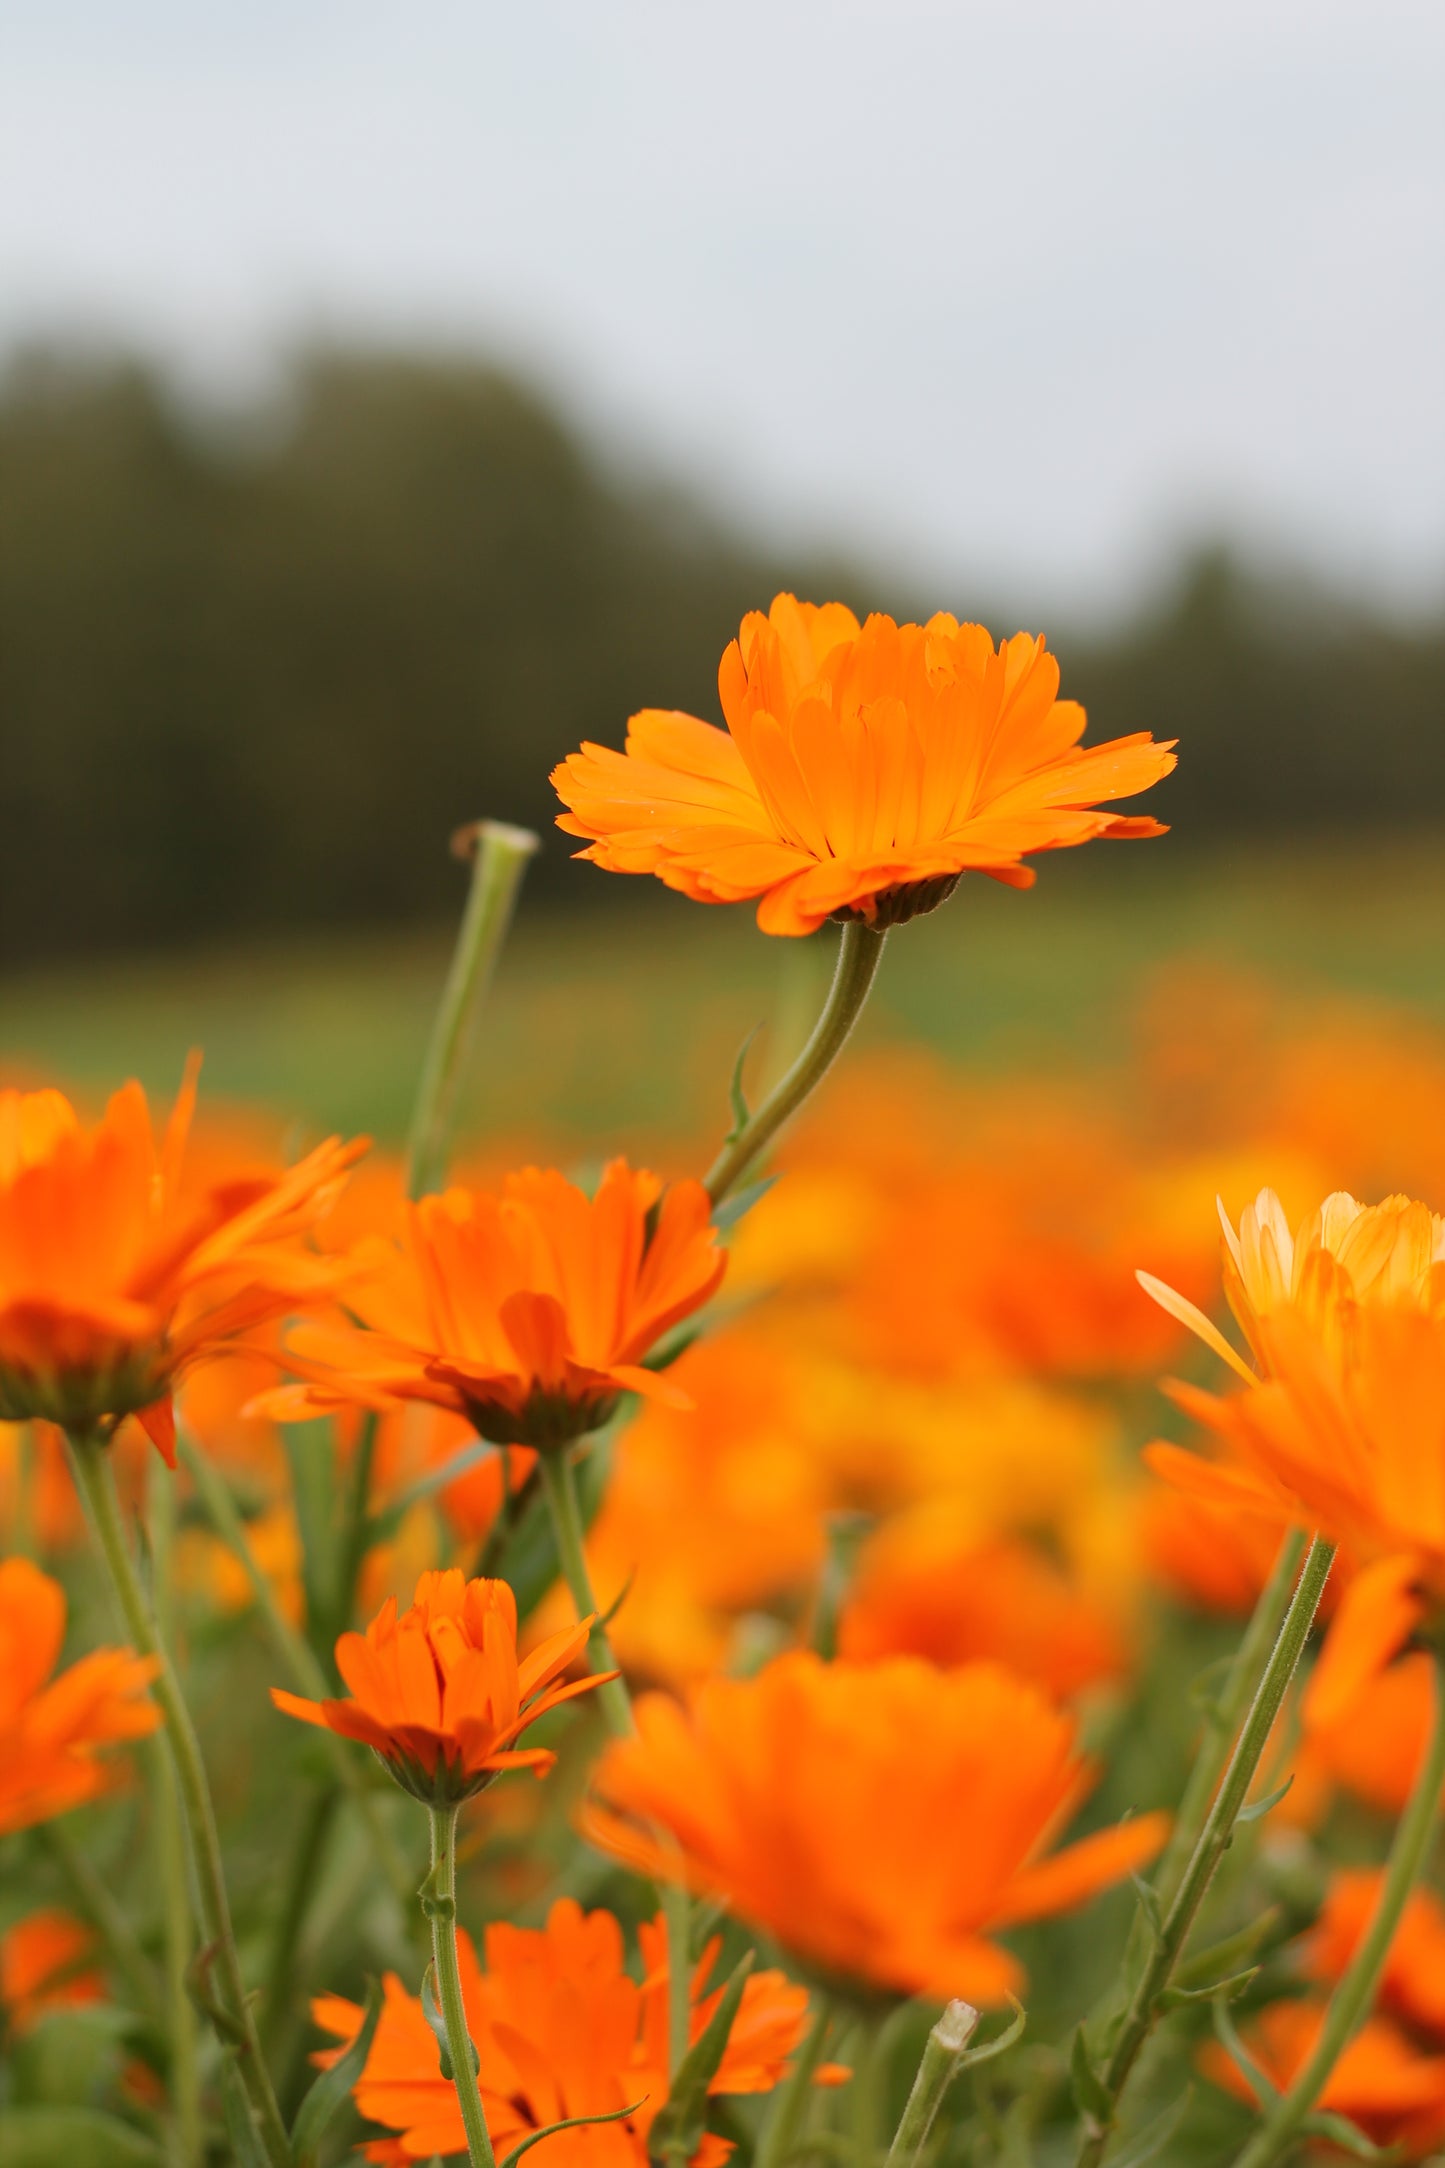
x=1260, y=1807
x=680, y=2123
x=1090, y=2097
x=66, y=2137
x=433, y=2012
x=1178, y=1998
x=742, y=1114
x=1264, y=2089
x=573, y=2122
x=1203, y=1691
x=1148, y=1898
x=1003, y=2041
x=247, y=2150
x=1340, y=2131
x=1152, y=2140
x=732, y=1209
x=333, y=2088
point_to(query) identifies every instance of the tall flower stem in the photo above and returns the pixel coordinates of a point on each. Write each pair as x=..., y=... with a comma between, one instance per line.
x=179, y=1935
x=559, y=1486
x=942, y=2053
x=859, y=954
x=439, y=1901
x=1350, y=2003
x=95, y=1479
x=94, y=1900
x=790, y=2101
x=499, y=856
x=1167, y=1944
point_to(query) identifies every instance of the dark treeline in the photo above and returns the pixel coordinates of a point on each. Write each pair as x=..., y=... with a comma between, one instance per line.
x=250, y=679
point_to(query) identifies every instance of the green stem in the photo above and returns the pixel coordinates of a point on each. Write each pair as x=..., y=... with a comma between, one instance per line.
x=859, y=954
x=1214, y=1838
x=1351, y=2000
x=93, y=1900
x=558, y=1476
x=440, y=1905
x=499, y=857
x=356, y=1522
x=300, y=1659
x=184, y=2071
x=785, y=2118
x=300, y=1886
x=942, y=2053
x=95, y=1479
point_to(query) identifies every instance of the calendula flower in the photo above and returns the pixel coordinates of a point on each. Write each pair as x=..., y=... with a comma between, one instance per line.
x=1412, y=1985
x=45, y=1964
x=926, y=1586
x=863, y=769
x=1344, y=1256
x=52, y=1734
x=1206, y=1555
x=116, y=1277
x=530, y=1312
x=1385, y=2084
x=882, y=1821
x=1349, y=1445
x=561, y=2030
x=438, y=1692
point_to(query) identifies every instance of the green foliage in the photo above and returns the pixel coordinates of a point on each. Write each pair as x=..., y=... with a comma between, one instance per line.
x=66, y=2137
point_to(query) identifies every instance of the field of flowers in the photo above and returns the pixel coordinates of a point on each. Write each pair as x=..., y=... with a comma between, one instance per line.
x=502, y=1648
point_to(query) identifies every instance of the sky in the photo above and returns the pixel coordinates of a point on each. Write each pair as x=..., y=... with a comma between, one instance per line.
x=1025, y=295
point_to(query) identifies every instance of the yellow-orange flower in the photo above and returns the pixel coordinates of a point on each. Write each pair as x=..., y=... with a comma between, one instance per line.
x=529, y=1313
x=116, y=1277
x=44, y=1966
x=560, y=2030
x=51, y=1735
x=1344, y=1256
x=881, y=1820
x=438, y=1691
x=926, y=1586
x=863, y=769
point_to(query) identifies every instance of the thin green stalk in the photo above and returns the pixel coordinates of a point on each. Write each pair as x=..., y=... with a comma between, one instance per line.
x=1249, y=1660
x=780, y=2133
x=95, y=1479
x=558, y=1477
x=301, y=1883
x=188, y=2129
x=300, y=1659
x=499, y=857
x=1146, y=2002
x=356, y=1520
x=439, y=1901
x=942, y=2054
x=92, y=1897
x=859, y=954
x=1350, y=2003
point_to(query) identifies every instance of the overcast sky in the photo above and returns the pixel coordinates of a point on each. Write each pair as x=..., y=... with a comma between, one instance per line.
x=1022, y=292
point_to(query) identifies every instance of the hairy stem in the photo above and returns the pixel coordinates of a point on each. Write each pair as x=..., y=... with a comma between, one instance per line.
x=859, y=953
x=1350, y=2003
x=95, y=1479
x=184, y=2071
x=440, y=1905
x=1214, y=1838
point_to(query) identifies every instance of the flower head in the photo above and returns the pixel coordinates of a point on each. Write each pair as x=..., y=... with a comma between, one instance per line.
x=116, y=1276
x=438, y=1691
x=863, y=769
x=530, y=1312
x=46, y=1963
x=51, y=1735
x=881, y=1820
x=561, y=2030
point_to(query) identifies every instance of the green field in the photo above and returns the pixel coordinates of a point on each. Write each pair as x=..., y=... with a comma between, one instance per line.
x=625, y=1020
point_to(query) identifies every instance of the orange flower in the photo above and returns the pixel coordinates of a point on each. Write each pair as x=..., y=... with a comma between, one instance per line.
x=926, y=1586
x=43, y=1967
x=560, y=2030
x=115, y=1278
x=439, y=1694
x=1382, y=2082
x=51, y=1735
x=1210, y=1557
x=529, y=1313
x=1412, y=1985
x=881, y=1820
x=861, y=772
x=1345, y=1256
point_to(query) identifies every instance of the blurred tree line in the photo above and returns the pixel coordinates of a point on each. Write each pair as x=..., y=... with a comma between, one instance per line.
x=252, y=675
